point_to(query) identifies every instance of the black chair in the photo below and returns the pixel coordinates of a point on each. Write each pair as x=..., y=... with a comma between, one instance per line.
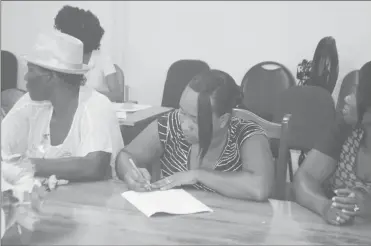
x=179, y=75
x=312, y=113
x=9, y=70
x=261, y=86
x=121, y=81
x=325, y=65
x=347, y=87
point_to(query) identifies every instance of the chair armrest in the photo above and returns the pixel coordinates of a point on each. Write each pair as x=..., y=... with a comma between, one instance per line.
x=282, y=160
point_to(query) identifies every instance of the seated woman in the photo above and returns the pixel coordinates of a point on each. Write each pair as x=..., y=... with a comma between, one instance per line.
x=64, y=128
x=84, y=25
x=335, y=179
x=203, y=145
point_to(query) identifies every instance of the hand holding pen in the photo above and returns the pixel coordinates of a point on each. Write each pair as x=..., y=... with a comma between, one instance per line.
x=138, y=179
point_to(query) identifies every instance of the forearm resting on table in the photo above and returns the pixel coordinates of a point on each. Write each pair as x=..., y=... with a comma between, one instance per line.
x=242, y=185
x=309, y=193
x=70, y=168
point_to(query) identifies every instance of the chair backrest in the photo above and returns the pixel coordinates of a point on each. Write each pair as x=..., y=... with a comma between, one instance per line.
x=121, y=80
x=9, y=70
x=179, y=75
x=325, y=65
x=261, y=86
x=347, y=86
x=275, y=131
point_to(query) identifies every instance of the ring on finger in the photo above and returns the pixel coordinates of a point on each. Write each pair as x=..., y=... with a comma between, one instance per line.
x=337, y=218
x=356, y=208
x=167, y=180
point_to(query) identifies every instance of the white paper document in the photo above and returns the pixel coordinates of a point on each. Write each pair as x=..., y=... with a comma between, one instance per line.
x=129, y=107
x=121, y=115
x=174, y=201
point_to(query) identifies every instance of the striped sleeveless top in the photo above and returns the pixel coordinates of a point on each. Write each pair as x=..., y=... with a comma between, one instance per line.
x=176, y=149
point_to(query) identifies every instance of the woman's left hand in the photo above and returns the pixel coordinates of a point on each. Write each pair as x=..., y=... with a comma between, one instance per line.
x=352, y=202
x=177, y=179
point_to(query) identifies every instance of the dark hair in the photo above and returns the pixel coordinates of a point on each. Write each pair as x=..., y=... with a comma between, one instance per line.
x=218, y=93
x=326, y=48
x=72, y=79
x=81, y=24
x=364, y=90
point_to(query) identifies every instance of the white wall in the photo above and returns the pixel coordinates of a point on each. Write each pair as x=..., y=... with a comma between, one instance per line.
x=144, y=38
x=234, y=36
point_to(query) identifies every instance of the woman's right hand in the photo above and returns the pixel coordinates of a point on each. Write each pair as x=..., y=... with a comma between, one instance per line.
x=138, y=179
x=335, y=216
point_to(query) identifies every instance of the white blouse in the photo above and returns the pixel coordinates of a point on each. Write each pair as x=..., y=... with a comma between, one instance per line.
x=102, y=66
x=95, y=127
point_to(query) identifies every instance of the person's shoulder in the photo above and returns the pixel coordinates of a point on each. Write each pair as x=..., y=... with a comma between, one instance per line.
x=173, y=114
x=98, y=97
x=25, y=99
x=241, y=125
x=168, y=119
x=242, y=129
x=25, y=102
x=93, y=100
x=340, y=129
x=331, y=142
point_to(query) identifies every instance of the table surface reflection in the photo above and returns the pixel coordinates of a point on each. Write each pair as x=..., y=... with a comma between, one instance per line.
x=96, y=214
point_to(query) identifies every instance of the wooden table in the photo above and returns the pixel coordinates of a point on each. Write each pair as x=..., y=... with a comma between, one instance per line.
x=96, y=214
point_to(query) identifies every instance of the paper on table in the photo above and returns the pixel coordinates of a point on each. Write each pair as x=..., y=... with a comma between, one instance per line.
x=121, y=115
x=174, y=201
x=129, y=107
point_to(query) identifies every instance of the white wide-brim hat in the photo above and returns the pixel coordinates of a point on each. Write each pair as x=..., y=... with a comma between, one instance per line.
x=58, y=52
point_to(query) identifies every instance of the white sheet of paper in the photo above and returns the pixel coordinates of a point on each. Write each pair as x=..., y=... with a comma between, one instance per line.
x=121, y=115
x=129, y=107
x=174, y=201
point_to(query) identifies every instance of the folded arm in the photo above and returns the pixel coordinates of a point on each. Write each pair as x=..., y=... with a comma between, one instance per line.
x=309, y=180
x=255, y=182
x=91, y=167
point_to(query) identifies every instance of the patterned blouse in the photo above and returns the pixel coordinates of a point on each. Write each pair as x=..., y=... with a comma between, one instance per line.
x=343, y=144
x=177, y=150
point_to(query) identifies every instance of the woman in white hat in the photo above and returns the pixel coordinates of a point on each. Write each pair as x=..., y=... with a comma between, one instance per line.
x=65, y=129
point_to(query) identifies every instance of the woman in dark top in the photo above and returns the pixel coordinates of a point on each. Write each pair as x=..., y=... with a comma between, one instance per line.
x=203, y=145
x=335, y=179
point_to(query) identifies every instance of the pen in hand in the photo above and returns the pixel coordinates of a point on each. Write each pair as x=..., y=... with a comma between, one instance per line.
x=148, y=185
